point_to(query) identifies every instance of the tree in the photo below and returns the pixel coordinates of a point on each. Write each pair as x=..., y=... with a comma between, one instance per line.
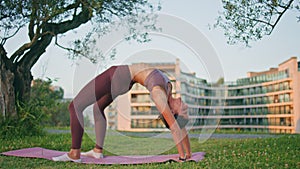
x=250, y=20
x=220, y=81
x=45, y=108
x=44, y=91
x=46, y=20
x=50, y=103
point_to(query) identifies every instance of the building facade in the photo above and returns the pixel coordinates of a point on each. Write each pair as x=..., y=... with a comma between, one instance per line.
x=265, y=101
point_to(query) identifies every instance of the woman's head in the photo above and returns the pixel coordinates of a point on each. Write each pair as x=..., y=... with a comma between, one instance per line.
x=178, y=107
x=179, y=110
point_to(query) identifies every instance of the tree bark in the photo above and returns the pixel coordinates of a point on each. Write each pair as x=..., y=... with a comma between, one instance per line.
x=7, y=92
x=15, y=83
x=22, y=84
x=23, y=76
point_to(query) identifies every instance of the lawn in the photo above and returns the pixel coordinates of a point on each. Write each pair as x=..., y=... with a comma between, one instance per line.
x=282, y=151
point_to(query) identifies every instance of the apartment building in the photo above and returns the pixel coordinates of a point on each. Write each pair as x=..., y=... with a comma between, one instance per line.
x=266, y=101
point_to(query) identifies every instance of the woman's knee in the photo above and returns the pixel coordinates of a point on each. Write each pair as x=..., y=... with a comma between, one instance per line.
x=96, y=108
x=71, y=107
x=98, y=112
x=75, y=108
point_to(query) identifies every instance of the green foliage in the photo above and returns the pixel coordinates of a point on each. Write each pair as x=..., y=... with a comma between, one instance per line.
x=250, y=20
x=56, y=17
x=43, y=91
x=58, y=115
x=52, y=105
x=27, y=122
x=45, y=108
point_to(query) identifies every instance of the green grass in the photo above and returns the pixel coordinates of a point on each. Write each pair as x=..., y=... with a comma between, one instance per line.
x=279, y=152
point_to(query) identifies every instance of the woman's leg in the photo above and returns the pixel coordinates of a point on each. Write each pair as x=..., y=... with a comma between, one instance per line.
x=100, y=120
x=89, y=94
x=100, y=126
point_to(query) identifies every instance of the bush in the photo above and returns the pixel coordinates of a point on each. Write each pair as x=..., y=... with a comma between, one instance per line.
x=52, y=105
x=27, y=122
x=57, y=115
x=45, y=108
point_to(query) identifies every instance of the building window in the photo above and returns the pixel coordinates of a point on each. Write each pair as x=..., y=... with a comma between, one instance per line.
x=140, y=98
x=276, y=87
x=264, y=89
x=147, y=123
x=286, y=97
x=287, y=110
x=141, y=110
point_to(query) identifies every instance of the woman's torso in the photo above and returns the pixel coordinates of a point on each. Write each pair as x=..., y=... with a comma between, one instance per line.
x=140, y=72
x=149, y=77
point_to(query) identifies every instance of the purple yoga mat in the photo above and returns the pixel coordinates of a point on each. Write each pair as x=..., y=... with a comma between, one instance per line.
x=38, y=152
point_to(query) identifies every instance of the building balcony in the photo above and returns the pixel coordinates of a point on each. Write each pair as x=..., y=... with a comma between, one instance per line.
x=142, y=104
x=149, y=117
x=243, y=127
x=221, y=107
x=241, y=116
x=144, y=113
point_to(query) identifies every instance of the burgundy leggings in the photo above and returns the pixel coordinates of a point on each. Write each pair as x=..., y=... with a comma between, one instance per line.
x=100, y=91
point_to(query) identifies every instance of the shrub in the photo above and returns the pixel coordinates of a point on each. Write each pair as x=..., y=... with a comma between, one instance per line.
x=44, y=105
x=27, y=122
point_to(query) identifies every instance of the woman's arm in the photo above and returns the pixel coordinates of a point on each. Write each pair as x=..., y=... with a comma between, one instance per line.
x=186, y=143
x=160, y=99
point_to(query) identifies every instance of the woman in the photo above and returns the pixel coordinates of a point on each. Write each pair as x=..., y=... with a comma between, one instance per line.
x=115, y=81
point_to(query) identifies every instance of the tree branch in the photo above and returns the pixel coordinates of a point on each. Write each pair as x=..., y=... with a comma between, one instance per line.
x=36, y=50
x=65, y=48
x=4, y=59
x=286, y=6
x=61, y=11
x=59, y=28
x=40, y=41
x=67, y=8
x=32, y=20
x=281, y=14
x=257, y=20
x=272, y=25
x=269, y=5
x=4, y=16
x=6, y=38
x=30, y=29
x=16, y=56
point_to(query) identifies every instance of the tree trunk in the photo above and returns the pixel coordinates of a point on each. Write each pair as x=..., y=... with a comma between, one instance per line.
x=15, y=85
x=22, y=83
x=7, y=93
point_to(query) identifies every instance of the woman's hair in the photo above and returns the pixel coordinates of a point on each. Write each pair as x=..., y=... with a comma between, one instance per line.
x=180, y=120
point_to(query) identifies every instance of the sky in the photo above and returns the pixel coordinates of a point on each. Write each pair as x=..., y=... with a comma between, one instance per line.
x=232, y=61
